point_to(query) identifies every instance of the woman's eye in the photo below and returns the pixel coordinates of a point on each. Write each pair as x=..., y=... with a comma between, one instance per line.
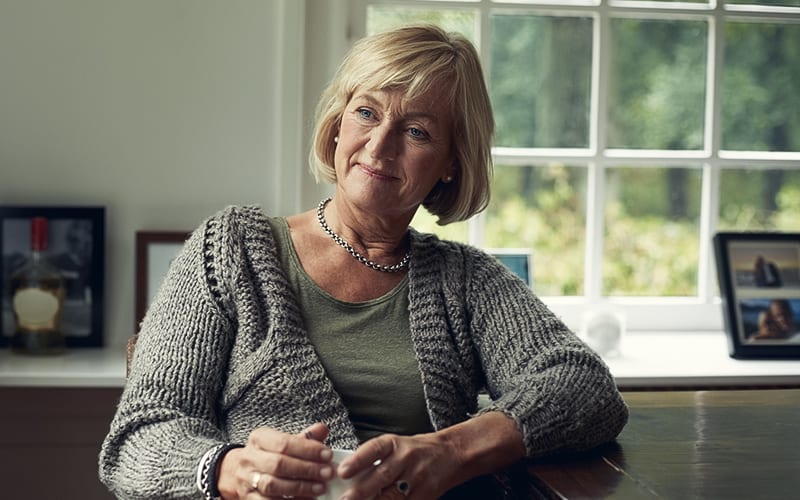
x=417, y=133
x=364, y=113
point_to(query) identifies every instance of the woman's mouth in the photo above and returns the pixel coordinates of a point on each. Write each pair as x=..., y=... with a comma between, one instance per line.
x=372, y=172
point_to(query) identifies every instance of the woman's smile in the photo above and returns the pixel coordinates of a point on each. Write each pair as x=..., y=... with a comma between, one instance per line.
x=378, y=175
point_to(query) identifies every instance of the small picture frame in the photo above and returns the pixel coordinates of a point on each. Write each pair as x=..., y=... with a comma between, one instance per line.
x=155, y=251
x=759, y=280
x=76, y=246
x=518, y=260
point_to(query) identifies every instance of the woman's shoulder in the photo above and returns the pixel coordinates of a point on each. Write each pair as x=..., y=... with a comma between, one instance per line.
x=239, y=217
x=234, y=242
x=235, y=224
x=234, y=232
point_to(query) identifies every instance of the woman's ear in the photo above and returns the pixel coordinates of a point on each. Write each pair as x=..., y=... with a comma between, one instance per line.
x=449, y=175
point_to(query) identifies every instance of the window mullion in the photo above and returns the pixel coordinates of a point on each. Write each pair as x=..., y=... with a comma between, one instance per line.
x=595, y=202
x=477, y=225
x=709, y=212
x=716, y=44
x=593, y=260
x=708, y=222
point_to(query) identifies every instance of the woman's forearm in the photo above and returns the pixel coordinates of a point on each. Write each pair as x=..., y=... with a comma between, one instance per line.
x=484, y=444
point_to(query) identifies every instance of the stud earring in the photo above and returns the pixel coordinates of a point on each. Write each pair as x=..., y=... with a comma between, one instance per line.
x=336, y=139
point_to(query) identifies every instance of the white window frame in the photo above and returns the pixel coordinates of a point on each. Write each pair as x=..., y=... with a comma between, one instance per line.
x=702, y=312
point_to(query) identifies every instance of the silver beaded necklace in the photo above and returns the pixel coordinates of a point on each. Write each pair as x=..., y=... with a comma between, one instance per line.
x=352, y=251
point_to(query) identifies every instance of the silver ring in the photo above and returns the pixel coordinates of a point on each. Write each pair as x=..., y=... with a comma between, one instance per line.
x=256, y=480
x=403, y=487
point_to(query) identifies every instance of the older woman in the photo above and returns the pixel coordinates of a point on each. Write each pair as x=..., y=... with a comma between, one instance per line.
x=275, y=340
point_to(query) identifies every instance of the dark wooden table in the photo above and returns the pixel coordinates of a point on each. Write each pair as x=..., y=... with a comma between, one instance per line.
x=689, y=445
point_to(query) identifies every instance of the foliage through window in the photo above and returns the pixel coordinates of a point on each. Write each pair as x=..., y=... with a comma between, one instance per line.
x=628, y=133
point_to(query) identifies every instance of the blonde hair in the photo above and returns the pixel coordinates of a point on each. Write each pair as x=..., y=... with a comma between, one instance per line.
x=414, y=59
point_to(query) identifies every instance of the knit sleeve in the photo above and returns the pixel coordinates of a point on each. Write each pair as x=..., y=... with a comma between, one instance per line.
x=558, y=391
x=167, y=415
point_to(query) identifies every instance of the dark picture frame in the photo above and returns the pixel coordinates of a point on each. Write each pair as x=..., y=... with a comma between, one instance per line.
x=759, y=280
x=155, y=251
x=76, y=245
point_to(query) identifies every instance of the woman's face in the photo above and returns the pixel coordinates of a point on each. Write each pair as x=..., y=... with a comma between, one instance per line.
x=391, y=152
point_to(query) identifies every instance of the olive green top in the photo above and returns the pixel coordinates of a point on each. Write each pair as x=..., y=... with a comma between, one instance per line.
x=365, y=348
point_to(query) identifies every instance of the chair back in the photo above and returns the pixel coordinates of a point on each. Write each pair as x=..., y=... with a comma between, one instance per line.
x=130, y=346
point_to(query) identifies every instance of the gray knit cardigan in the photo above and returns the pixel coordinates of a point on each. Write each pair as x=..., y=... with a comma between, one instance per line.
x=222, y=350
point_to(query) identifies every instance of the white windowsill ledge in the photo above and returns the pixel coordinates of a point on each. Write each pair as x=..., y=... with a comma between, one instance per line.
x=646, y=360
x=693, y=359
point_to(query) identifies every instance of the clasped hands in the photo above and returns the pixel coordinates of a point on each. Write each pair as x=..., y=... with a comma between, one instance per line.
x=276, y=465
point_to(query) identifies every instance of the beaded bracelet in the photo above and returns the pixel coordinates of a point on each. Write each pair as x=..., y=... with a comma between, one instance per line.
x=207, y=469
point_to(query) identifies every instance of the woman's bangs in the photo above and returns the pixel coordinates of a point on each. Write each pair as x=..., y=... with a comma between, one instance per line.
x=417, y=76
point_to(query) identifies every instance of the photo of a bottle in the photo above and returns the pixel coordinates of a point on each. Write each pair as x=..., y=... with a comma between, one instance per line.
x=37, y=297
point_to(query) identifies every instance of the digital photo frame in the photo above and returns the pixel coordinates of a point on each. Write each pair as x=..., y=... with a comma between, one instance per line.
x=759, y=281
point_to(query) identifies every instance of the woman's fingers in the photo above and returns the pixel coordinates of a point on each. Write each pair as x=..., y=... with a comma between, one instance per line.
x=399, y=467
x=274, y=464
x=307, y=445
x=285, y=466
x=374, y=466
x=370, y=454
x=271, y=486
x=317, y=432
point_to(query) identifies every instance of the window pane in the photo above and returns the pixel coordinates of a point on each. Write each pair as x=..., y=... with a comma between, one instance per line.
x=761, y=104
x=425, y=222
x=539, y=100
x=652, y=224
x=613, y=2
x=558, y=2
x=779, y=3
x=542, y=208
x=381, y=18
x=753, y=200
x=657, y=84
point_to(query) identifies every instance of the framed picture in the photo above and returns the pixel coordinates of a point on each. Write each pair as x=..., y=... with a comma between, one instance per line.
x=76, y=246
x=759, y=280
x=155, y=251
x=518, y=260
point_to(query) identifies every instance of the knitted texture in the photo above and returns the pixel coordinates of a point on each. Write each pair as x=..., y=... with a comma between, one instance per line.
x=222, y=350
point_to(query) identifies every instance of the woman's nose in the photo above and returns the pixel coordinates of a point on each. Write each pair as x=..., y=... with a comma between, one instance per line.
x=382, y=143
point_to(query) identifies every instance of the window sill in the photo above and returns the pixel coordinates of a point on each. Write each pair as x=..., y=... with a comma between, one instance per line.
x=691, y=360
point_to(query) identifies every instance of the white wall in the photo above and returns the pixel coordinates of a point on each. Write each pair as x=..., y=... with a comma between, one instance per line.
x=163, y=111
x=326, y=42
